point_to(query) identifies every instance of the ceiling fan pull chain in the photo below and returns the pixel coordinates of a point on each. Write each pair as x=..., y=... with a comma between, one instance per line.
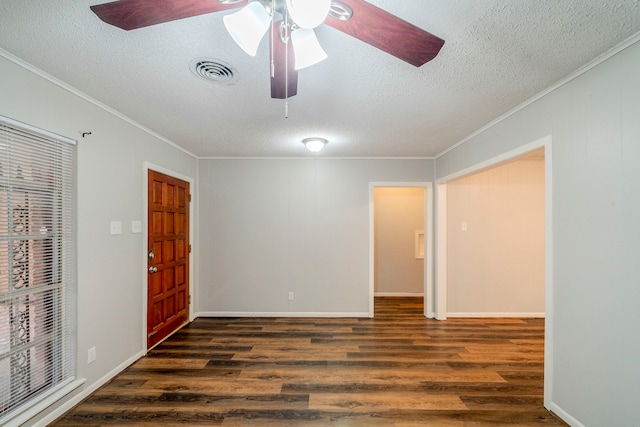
x=273, y=65
x=286, y=67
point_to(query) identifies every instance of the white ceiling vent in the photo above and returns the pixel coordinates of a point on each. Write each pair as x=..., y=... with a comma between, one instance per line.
x=214, y=70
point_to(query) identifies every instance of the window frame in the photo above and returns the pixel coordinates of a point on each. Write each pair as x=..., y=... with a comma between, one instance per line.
x=47, y=256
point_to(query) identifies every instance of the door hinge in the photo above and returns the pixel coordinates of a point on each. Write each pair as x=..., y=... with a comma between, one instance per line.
x=189, y=198
x=189, y=299
x=189, y=248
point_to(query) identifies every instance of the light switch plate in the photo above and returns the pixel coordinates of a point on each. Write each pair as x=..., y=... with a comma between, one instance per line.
x=116, y=227
x=136, y=227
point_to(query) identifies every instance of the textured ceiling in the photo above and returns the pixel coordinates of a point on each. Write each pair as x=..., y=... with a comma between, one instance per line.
x=497, y=54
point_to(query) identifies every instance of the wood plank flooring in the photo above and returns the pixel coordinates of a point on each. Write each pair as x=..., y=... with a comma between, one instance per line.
x=398, y=369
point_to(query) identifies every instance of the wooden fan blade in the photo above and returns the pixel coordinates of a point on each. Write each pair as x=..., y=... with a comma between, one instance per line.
x=284, y=78
x=387, y=32
x=132, y=14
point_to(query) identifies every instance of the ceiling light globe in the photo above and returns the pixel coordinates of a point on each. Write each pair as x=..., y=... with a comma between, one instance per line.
x=314, y=144
x=248, y=26
x=308, y=13
x=306, y=48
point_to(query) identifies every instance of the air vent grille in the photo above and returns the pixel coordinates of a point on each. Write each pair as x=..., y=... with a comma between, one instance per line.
x=214, y=70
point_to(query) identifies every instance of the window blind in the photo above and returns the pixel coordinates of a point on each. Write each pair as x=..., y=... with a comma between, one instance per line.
x=37, y=265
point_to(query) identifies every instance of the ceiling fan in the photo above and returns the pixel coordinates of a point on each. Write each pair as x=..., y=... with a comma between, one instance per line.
x=291, y=23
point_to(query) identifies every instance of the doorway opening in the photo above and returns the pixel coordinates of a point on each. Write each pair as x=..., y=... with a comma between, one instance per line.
x=400, y=242
x=447, y=223
x=495, y=240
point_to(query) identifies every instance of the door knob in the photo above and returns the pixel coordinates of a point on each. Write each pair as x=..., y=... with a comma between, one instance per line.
x=153, y=269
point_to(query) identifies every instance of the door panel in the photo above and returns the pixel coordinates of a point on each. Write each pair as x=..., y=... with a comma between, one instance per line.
x=168, y=274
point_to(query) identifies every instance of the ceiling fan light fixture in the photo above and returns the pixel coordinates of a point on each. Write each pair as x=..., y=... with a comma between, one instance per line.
x=308, y=13
x=248, y=26
x=306, y=48
x=314, y=144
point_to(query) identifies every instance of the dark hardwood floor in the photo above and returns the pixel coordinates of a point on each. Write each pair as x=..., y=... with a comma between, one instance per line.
x=398, y=369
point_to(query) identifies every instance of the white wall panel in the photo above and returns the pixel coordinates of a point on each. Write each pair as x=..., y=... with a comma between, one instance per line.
x=270, y=227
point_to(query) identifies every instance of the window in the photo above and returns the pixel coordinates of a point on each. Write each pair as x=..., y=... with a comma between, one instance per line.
x=37, y=265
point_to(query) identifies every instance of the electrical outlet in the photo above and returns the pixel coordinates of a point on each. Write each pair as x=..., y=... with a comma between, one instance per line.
x=290, y=296
x=91, y=355
x=464, y=226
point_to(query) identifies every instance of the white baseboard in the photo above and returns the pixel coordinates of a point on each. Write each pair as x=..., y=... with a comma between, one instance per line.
x=43, y=404
x=398, y=294
x=489, y=315
x=564, y=415
x=62, y=409
x=277, y=314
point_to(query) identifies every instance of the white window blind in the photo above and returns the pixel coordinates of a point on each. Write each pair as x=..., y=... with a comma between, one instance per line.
x=37, y=265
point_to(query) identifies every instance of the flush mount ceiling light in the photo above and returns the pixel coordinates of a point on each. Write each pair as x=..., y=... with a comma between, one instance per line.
x=314, y=144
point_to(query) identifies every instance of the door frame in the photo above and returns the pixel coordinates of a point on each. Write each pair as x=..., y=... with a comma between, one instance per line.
x=441, y=244
x=146, y=166
x=428, y=241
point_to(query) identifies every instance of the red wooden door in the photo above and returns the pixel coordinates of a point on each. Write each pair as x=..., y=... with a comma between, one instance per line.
x=168, y=245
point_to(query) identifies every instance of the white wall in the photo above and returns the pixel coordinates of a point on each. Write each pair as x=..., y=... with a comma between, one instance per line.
x=595, y=319
x=270, y=227
x=111, y=269
x=495, y=266
x=398, y=214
